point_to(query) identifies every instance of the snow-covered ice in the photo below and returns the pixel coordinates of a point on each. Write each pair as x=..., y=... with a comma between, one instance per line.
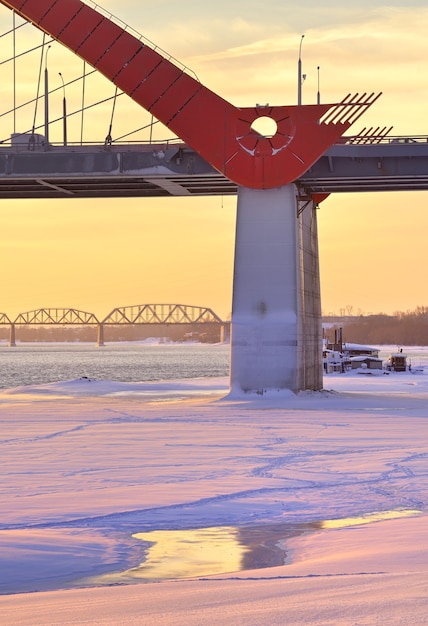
x=308, y=509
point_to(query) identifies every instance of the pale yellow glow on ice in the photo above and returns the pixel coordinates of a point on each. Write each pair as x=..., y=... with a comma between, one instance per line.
x=199, y=552
x=184, y=554
x=368, y=519
x=179, y=554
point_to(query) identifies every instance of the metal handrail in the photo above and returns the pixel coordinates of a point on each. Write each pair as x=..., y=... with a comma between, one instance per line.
x=140, y=37
x=374, y=139
x=77, y=146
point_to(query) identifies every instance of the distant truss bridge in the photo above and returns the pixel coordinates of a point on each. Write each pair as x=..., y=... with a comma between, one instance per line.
x=140, y=314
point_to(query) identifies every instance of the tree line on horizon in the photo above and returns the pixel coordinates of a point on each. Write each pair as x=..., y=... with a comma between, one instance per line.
x=408, y=328
x=126, y=332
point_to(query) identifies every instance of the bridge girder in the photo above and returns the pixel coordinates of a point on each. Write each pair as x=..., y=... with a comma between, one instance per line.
x=392, y=165
x=56, y=316
x=161, y=314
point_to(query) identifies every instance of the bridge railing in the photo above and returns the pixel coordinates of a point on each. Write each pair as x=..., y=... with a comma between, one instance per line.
x=387, y=139
x=24, y=144
x=140, y=37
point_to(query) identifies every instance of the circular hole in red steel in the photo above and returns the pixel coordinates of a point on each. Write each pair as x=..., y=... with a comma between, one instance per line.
x=264, y=126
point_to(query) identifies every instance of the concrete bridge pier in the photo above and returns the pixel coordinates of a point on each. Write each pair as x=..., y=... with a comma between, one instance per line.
x=276, y=314
x=312, y=367
x=100, y=335
x=222, y=333
x=12, y=336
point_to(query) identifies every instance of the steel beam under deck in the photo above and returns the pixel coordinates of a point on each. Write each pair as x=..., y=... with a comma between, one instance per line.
x=399, y=164
x=175, y=170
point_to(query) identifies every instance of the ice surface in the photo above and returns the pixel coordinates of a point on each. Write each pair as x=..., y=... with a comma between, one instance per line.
x=90, y=467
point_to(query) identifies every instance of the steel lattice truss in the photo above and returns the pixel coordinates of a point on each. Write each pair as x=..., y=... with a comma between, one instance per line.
x=56, y=316
x=162, y=314
x=4, y=319
x=136, y=314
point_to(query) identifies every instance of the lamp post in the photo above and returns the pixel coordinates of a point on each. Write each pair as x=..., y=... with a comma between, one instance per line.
x=318, y=92
x=46, y=100
x=64, y=111
x=299, y=73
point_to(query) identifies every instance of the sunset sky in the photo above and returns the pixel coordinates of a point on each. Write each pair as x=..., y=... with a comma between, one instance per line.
x=99, y=254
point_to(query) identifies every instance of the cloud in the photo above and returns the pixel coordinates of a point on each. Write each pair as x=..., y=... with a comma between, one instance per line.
x=383, y=49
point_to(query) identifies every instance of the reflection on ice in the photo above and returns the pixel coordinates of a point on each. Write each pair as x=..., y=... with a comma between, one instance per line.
x=190, y=553
x=369, y=518
x=184, y=553
x=176, y=554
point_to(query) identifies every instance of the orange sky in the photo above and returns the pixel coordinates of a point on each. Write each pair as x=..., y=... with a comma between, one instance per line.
x=96, y=255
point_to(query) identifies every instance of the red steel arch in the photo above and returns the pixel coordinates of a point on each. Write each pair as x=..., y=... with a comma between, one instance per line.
x=220, y=132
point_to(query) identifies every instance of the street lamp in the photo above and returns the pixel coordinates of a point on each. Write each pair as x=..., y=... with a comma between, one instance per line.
x=64, y=110
x=318, y=92
x=46, y=100
x=299, y=73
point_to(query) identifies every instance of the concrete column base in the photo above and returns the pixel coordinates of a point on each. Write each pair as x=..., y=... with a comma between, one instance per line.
x=311, y=369
x=268, y=350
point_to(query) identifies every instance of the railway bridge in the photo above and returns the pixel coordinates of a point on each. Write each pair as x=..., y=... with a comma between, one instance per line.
x=200, y=319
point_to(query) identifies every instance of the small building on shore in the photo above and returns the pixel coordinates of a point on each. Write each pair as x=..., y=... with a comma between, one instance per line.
x=397, y=362
x=357, y=349
x=366, y=362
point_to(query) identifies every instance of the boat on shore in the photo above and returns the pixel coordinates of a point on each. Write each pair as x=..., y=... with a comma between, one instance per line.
x=345, y=356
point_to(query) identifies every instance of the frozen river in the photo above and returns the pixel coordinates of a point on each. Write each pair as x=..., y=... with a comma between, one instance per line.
x=39, y=363
x=108, y=483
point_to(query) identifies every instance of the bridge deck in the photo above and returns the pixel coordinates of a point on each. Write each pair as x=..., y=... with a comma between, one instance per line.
x=173, y=169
